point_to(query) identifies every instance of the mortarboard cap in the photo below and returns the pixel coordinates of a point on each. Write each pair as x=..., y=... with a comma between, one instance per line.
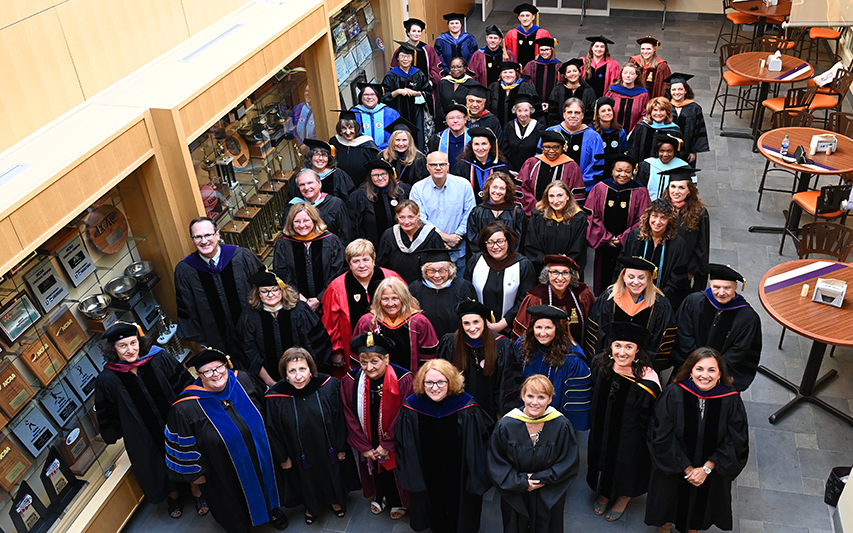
x=379, y=163
x=678, y=77
x=521, y=8
x=482, y=132
x=122, y=330
x=723, y=272
x=494, y=30
x=550, y=136
x=435, y=255
x=454, y=16
x=599, y=39
x=317, y=143
x=558, y=259
x=638, y=263
x=577, y=63
x=684, y=173
x=546, y=41
x=414, y=22
x=476, y=90
x=377, y=88
x=371, y=343
x=648, y=39
x=547, y=311
x=345, y=114
x=473, y=307
x=511, y=65
x=207, y=355
x=402, y=124
x=627, y=332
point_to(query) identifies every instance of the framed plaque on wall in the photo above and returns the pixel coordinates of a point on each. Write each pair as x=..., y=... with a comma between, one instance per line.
x=48, y=288
x=13, y=464
x=66, y=332
x=15, y=392
x=60, y=403
x=17, y=317
x=82, y=377
x=34, y=431
x=42, y=358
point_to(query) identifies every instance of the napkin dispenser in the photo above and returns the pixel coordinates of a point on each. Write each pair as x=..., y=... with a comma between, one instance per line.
x=830, y=292
x=824, y=143
x=774, y=62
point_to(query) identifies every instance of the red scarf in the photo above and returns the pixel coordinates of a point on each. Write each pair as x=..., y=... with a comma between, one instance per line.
x=389, y=408
x=127, y=367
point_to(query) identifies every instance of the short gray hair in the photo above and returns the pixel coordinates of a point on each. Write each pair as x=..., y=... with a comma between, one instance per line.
x=311, y=172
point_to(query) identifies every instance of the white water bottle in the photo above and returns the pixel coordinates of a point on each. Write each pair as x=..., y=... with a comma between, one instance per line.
x=785, y=143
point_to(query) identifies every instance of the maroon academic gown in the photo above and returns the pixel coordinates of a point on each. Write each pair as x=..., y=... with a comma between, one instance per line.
x=477, y=65
x=569, y=172
x=433, y=62
x=652, y=78
x=543, y=76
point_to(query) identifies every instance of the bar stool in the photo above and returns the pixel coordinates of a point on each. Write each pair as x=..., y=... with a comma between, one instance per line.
x=783, y=119
x=826, y=34
x=737, y=20
x=732, y=80
x=796, y=99
x=808, y=201
x=830, y=97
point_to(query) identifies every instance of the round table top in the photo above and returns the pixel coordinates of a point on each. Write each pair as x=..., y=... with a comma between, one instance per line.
x=816, y=321
x=782, y=9
x=747, y=65
x=840, y=162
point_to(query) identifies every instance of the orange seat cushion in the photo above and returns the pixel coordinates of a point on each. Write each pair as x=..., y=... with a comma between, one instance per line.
x=778, y=104
x=736, y=80
x=824, y=90
x=741, y=18
x=808, y=201
x=824, y=33
x=824, y=101
x=776, y=20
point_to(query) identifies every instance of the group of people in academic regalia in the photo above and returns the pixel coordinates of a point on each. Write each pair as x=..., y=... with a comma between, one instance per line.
x=423, y=329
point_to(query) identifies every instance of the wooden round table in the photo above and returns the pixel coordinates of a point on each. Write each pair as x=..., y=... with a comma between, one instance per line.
x=782, y=9
x=824, y=324
x=747, y=65
x=840, y=162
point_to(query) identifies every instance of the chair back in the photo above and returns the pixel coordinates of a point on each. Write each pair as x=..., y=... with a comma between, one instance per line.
x=840, y=84
x=771, y=43
x=800, y=97
x=791, y=119
x=829, y=200
x=841, y=123
x=732, y=49
x=826, y=238
x=727, y=4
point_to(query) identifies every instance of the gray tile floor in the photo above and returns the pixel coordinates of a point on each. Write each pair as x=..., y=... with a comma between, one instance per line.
x=781, y=489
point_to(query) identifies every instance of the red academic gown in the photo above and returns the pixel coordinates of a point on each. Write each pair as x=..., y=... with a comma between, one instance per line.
x=529, y=175
x=612, y=73
x=421, y=335
x=433, y=62
x=652, y=78
x=511, y=41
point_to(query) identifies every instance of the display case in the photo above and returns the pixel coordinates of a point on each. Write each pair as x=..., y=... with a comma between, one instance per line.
x=245, y=162
x=359, y=49
x=53, y=308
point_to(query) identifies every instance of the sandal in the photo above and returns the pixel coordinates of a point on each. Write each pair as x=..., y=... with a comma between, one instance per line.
x=175, y=507
x=376, y=507
x=201, y=505
x=340, y=513
x=613, y=516
x=398, y=513
x=308, y=518
x=599, y=508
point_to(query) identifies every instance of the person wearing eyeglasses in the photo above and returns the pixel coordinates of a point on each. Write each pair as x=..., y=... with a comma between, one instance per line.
x=278, y=320
x=498, y=204
x=501, y=276
x=132, y=399
x=624, y=391
x=532, y=460
x=215, y=437
x=212, y=288
x=439, y=290
x=551, y=165
x=558, y=226
x=442, y=435
x=451, y=89
x=583, y=144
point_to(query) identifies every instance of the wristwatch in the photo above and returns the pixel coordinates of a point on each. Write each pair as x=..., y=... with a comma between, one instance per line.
x=706, y=469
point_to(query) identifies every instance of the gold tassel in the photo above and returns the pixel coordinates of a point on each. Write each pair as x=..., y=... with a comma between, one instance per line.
x=743, y=286
x=139, y=329
x=369, y=342
x=655, y=274
x=537, y=19
x=228, y=362
x=505, y=55
x=493, y=317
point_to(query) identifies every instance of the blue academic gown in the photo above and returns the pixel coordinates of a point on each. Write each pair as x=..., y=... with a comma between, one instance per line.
x=374, y=121
x=448, y=48
x=590, y=147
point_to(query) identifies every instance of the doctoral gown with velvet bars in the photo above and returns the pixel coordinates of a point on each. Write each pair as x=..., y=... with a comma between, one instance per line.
x=441, y=461
x=571, y=380
x=518, y=144
x=698, y=244
x=336, y=182
x=372, y=218
x=495, y=394
x=413, y=173
x=134, y=407
x=679, y=438
x=692, y=123
x=546, y=237
x=439, y=305
x=265, y=338
x=300, y=266
x=523, y=44
x=630, y=104
x=308, y=427
x=482, y=215
x=671, y=259
x=196, y=448
x=618, y=462
x=374, y=121
x=426, y=60
x=408, y=265
x=414, y=338
x=603, y=76
x=557, y=100
x=536, y=173
x=586, y=148
x=415, y=80
x=447, y=47
x=553, y=460
x=352, y=155
x=445, y=96
x=486, y=64
x=641, y=140
x=652, y=78
x=499, y=99
x=210, y=301
x=477, y=173
x=543, y=75
x=334, y=212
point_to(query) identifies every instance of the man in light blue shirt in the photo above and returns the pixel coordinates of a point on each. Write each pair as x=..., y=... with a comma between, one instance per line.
x=445, y=201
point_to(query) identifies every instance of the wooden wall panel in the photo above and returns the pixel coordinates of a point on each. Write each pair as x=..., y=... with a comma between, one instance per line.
x=10, y=246
x=110, y=39
x=39, y=218
x=39, y=82
x=200, y=14
x=295, y=40
x=13, y=11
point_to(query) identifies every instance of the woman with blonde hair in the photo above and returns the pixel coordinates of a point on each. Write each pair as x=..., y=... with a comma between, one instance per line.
x=396, y=315
x=307, y=256
x=278, y=320
x=402, y=153
x=658, y=121
x=558, y=226
x=401, y=245
x=442, y=436
x=633, y=298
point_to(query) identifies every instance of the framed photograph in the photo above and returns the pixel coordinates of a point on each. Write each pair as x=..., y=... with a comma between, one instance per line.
x=17, y=317
x=339, y=33
x=369, y=17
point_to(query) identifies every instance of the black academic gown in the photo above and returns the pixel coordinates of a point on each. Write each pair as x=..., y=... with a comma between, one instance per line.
x=672, y=268
x=441, y=461
x=733, y=329
x=210, y=301
x=352, y=155
x=477, y=173
x=495, y=394
x=487, y=120
x=405, y=105
x=197, y=447
x=307, y=426
x=641, y=140
x=659, y=320
x=439, y=305
x=265, y=338
x=134, y=407
x=618, y=461
x=557, y=101
x=337, y=183
x=413, y=173
x=482, y=215
x=697, y=248
x=553, y=461
x=372, y=218
x=407, y=264
x=309, y=269
x=494, y=287
x=546, y=237
x=445, y=96
x=679, y=438
x=518, y=144
x=334, y=213
x=498, y=101
x=692, y=123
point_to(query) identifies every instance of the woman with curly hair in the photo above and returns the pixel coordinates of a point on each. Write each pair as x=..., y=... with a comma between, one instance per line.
x=375, y=201
x=352, y=147
x=599, y=69
x=547, y=348
x=624, y=391
x=333, y=180
x=657, y=241
x=498, y=205
x=396, y=315
x=480, y=160
x=558, y=226
x=694, y=225
x=402, y=153
x=658, y=120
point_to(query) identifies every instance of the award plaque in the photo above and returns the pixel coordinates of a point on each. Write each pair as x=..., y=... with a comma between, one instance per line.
x=15, y=392
x=42, y=358
x=74, y=447
x=67, y=245
x=48, y=288
x=67, y=334
x=60, y=403
x=13, y=464
x=59, y=481
x=17, y=317
x=82, y=376
x=146, y=311
x=27, y=511
x=34, y=431
x=97, y=356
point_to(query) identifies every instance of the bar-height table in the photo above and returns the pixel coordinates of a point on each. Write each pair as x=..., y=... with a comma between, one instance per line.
x=780, y=10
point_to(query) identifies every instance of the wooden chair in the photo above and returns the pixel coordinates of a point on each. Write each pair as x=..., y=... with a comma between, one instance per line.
x=808, y=201
x=796, y=99
x=824, y=238
x=783, y=119
x=841, y=123
x=732, y=80
x=736, y=20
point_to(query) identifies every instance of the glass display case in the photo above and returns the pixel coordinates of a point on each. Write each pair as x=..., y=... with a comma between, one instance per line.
x=359, y=50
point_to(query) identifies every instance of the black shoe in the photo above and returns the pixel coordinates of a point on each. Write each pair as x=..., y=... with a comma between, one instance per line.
x=279, y=520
